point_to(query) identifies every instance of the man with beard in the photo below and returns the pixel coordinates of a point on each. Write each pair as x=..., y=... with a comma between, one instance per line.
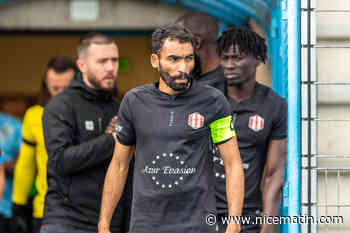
x=79, y=143
x=170, y=123
x=205, y=30
x=31, y=164
x=260, y=123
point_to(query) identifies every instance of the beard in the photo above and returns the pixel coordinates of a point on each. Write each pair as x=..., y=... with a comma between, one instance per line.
x=97, y=84
x=171, y=80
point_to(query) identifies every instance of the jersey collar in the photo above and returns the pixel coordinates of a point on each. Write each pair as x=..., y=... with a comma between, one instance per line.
x=176, y=96
x=252, y=104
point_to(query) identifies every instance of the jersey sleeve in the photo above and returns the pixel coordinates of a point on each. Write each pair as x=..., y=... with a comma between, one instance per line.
x=279, y=124
x=125, y=125
x=222, y=128
x=25, y=166
x=27, y=132
x=2, y=160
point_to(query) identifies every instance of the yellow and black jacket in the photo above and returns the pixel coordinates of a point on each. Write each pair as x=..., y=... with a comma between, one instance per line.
x=31, y=163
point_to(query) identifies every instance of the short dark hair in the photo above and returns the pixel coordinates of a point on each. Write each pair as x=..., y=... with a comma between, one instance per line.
x=59, y=64
x=92, y=38
x=199, y=23
x=173, y=32
x=247, y=40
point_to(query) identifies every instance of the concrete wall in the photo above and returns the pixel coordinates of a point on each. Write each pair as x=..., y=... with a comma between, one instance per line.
x=263, y=72
x=113, y=14
x=333, y=25
x=24, y=58
x=332, y=67
x=31, y=52
x=24, y=55
x=333, y=103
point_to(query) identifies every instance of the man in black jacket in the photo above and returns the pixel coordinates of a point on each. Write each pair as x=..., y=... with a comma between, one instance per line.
x=79, y=143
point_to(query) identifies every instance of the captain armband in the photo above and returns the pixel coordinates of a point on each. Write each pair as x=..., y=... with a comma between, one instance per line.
x=222, y=129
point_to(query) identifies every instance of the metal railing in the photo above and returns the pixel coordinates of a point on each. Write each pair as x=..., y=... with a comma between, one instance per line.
x=321, y=186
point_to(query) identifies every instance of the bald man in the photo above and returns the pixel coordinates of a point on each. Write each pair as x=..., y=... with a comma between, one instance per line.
x=205, y=29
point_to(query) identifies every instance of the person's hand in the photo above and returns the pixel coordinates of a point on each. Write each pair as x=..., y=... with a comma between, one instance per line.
x=2, y=179
x=111, y=126
x=103, y=227
x=233, y=228
x=114, y=134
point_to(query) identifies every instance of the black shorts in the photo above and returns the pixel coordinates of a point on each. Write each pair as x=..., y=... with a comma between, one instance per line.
x=4, y=224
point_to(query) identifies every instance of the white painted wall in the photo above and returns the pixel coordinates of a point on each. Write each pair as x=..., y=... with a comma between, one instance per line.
x=333, y=25
x=334, y=103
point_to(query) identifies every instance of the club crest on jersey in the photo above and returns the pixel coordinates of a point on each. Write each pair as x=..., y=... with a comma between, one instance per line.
x=195, y=120
x=256, y=123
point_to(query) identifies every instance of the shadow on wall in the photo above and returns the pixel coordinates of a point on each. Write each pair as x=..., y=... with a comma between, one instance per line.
x=24, y=58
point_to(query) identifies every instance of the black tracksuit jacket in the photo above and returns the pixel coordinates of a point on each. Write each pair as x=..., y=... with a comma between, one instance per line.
x=79, y=153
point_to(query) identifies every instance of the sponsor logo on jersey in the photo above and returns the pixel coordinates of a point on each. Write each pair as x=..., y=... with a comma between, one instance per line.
x=168, y=170
x=195, y=120
x=256, y=123
x=89, y=125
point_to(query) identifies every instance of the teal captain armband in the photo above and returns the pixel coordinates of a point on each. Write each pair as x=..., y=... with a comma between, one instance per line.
x=222, y=129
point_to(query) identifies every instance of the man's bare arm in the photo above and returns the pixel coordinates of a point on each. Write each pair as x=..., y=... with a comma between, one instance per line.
x=234, y=180
x=2, y=179
x=273, y=180
x=114, y=184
